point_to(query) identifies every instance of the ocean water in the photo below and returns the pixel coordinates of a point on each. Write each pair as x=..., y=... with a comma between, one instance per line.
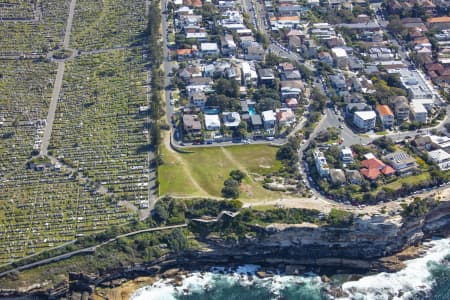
x=427, y=277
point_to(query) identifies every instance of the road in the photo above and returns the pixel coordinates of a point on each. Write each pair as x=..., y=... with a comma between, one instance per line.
x=91, y=249
x=58, y=84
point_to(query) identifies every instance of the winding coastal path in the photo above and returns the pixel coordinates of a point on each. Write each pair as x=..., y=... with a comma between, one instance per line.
x=91, y=249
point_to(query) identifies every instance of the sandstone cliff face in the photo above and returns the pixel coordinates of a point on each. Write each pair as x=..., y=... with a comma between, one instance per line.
x=358, y=246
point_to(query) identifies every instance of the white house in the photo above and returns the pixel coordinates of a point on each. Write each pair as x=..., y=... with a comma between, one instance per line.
x=212, y=122
x=346, y=155
x=321, y=164
x=386, y=115
x=231, y=119
x=419, y=112
x=340, y=57
x=441, y=157
x=269, y=119
x=365, y=120
x=209, y=49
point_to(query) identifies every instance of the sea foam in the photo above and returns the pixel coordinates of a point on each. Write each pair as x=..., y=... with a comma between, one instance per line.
x=415, y=277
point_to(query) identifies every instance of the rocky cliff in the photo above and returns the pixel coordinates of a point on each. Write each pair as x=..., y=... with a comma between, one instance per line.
x=372, y=243
x=365, y=245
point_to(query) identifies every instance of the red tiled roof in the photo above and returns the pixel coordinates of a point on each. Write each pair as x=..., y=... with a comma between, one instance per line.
x=374, y=167
x=384, y=110
x=434, y=67
x=184, y=51
x=370, y=173
x=439, y=20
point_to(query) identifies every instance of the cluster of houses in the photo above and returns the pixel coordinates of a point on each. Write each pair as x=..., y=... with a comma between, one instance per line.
x=436, y=147
x=236, y=57
x=434, y=57
x=397, y=163
x=353, y=88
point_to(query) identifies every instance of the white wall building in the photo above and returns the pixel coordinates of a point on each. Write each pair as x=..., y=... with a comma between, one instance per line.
x=365, y=120
x=440, y=157
x=321, y=164
x=212, y=122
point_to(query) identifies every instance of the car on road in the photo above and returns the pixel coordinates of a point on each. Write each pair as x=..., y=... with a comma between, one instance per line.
x=270, y=138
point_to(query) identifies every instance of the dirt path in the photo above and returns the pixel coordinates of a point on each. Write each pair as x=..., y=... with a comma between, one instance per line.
x=230, y=157
x=184, y=166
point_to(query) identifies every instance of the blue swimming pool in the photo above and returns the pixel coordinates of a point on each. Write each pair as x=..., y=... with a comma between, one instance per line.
x=251, y=111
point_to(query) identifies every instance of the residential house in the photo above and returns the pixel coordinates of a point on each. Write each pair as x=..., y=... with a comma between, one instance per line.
x=255, y=52
x=325, y=57
x=285, y=116
x=338, y=82
x=199, y=84
x=291, y=75
x=184, y=54
x=209, y=49
x=402, y=162
x=256, y=122
x=228, y=45
x=439, y=23
x=415, y=84
x=337, y=176
x=441, y=158
x=269, y=119
x=419, y=112
x=212, y=122
x=346, y=155
x=373, y=168
x=401, y=108
x=386, y=116
x=365, y=120
x=291, y=89
x=291, y=103
x=231, y=119
x=198, y=99
x=354, y=177
x=196, y=33
x=340, y=57
x=266, y=76
x=321, y=163
x=249, y=75
x=191, y=123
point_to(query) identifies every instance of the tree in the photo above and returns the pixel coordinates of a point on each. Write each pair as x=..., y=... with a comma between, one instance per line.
x=160, y=213
x=227, y=87
x=176, y=240
x=237, y=175
x=230, y=192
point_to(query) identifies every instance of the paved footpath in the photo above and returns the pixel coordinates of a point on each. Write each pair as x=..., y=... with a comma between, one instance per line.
x=87, y=250
x=58, y=84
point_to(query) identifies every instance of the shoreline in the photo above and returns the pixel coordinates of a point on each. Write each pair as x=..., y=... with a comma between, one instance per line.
x=176, y=275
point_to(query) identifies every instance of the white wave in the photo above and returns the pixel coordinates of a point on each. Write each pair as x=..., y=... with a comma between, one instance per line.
x=197, y=282
x=403, y=284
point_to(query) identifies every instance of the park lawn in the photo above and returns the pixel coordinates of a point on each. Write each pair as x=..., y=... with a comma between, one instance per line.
x=413, y=180
x=173, y=179
x=209, y=167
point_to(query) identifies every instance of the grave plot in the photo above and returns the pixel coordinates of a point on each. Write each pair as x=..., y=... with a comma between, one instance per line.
x=17, y=10
x=98, y=129
x=36, y=37
x=44, y=209
x=25, y=91
x=108, y=24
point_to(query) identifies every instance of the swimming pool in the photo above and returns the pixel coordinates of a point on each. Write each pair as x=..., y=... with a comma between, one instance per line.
x=251, y=111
